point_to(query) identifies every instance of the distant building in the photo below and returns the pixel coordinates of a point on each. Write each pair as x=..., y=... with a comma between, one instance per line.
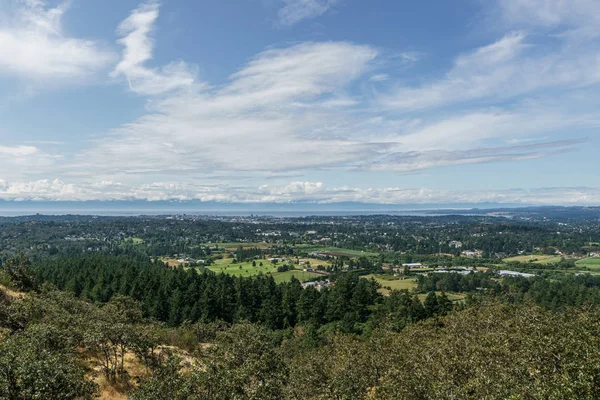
x=515, y=273
x=472, y=253
x=188, y=260
x=413, y=265
x=452, y=271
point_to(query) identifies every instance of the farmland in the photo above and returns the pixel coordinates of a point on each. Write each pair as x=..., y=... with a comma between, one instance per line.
x=246, y=269
x=388, y=283
x=591, y=263
x=232, y=246
x=337, y=251
x=534, y=258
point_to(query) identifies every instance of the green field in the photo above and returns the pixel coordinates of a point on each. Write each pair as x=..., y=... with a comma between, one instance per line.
x=246, y=269
x=535, y=259
x=347, y=252
x=591, y=263
x=236, y=245
x=387, y=281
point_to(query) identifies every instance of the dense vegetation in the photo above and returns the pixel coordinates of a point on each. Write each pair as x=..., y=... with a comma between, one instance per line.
x=177, y=295
x=398, y=239
x=98, y=305
x=488, y=350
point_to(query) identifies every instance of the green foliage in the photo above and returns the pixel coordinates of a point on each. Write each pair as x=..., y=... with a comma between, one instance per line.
x=166, y=383
x=16, y=272
x=488, y=351
x=177, y=295
x=37, y=364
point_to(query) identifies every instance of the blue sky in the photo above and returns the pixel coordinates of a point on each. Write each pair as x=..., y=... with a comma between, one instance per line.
x=301, y=100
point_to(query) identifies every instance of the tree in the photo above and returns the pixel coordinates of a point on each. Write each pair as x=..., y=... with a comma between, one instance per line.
x=431, y=304
x=17, y=271
x=406, y=271
x=244, y=364
x=165, y=383
x=30, y=369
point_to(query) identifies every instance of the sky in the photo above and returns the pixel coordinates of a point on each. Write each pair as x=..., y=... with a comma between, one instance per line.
x=379, y=101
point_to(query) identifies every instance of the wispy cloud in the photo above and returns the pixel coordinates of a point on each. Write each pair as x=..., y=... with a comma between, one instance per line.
x=276, y=104
x=20, y=161
x=301, y=108
x=505, y=69
x=295, y=11
x=551, y=13
x=33, y=44
x=136, y=39
x=293, y=105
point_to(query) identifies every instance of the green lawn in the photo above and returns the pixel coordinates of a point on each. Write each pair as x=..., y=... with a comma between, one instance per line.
x=387, y=281
x=535, y=259
x=298, y=274
x=591, y=263
x=236, y=245
x=246, y=269
x=347, y=252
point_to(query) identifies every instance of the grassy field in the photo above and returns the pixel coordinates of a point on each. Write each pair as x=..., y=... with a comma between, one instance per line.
x=171, y=262
x=314, y=262
x=535, y=259
x=300, y=275
x=268, y=268
x=232, y=246
x=388, y=283
x=226, y=266
x=591, y=263
x=346, y=252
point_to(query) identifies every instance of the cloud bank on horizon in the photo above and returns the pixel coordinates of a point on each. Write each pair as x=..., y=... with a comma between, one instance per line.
x=319, y=112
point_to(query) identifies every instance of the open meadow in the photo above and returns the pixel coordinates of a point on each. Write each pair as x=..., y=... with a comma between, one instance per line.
x=592, y=263
x=246, y=269
x=389, y=283
x=534, y=258
x=232, y=246
x=336, y=251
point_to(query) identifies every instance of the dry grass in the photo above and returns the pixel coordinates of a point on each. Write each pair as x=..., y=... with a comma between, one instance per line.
x=136, y=371
x=171, y=262
x=534, y=259
x=12, y=294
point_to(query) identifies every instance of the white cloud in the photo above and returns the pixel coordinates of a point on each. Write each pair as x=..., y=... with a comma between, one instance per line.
x=505, y=69
x=551, y=13
x=295, y=11
x=33, y=44
x=18, y=151
x=279, y=112
x=379, y=78
x=136, y=39
x=310, y=106
x=319, y=193
x=19, y=161
x=289, y=109
x=312, y=192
